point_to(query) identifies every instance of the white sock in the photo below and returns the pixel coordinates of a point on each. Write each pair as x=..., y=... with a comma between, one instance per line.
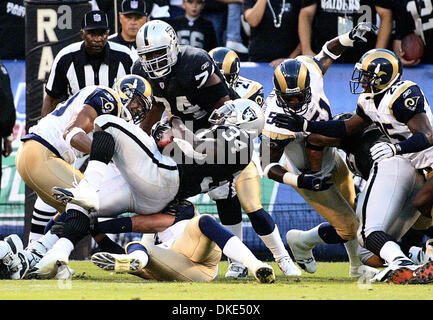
x=390, y=251
x=62, y=247
x=275, y=244
x=236, y=229
x=140, y=255
x=47, y=240
x=311, y=237
x=352, y=252
x=42, y=213
x=4, y=249
x=94, y=173
x=236, y=250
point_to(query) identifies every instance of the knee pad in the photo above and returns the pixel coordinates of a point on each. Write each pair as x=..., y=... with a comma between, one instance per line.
x=102, y=147
x=76, y=227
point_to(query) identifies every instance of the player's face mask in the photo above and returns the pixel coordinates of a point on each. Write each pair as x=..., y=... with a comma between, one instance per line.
x=155, y=62
x=294, y=102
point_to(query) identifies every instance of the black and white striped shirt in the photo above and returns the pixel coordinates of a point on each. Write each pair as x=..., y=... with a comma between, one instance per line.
x=73, y=69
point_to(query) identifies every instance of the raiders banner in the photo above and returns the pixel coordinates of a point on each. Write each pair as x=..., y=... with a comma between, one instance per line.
x=50, y=26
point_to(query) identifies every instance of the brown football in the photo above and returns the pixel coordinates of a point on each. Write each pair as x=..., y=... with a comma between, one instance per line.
x=412, y=46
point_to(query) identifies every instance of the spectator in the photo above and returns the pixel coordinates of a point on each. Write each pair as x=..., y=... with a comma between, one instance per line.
x=233, y=29
x=216, y=11
x=176, y=8
x=131, y=17
x=12, y=29
x=411, y=17
x=193, y=29
x=7, y=115
x=323, y=20
x=273, y=24
x=88, y=62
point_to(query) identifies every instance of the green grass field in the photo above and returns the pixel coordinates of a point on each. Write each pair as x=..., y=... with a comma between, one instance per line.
x=330, y=282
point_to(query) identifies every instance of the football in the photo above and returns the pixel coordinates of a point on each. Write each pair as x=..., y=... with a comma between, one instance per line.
x=412, y=46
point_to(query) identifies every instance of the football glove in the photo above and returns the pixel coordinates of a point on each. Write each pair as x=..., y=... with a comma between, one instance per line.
x=314, y=182
x=359, y=31
x=382, y=150
x=292, y=122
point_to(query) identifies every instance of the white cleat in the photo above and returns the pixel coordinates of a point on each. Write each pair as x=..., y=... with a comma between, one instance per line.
x=121, y=263
x=15, y=260
x=264, y=273
x=400, y=271
x=48, y=266
x=288, y=267
x=303, y=254
x=83, y=195
x=422, y=255
x=236, y=270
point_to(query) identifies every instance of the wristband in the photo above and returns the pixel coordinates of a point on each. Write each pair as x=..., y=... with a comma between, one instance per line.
x=329, y=53
x=291, y=179
x=72, y=133
x=345, y=40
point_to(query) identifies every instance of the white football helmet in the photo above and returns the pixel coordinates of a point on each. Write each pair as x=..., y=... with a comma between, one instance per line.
x=158, y=47
x=243, y=113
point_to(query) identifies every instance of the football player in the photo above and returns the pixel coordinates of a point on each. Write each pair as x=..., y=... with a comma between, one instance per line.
x=187, y=83
x=400, y=110
x=299, y=90
x=190, y=250
x=229, y=63
x=45, y=158
x=391, y=211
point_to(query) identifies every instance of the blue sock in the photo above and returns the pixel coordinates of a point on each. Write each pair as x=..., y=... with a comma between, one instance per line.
x=214, y=231
x=328, y=234
x=262, y=222
x=51, y=223
x=136, y=246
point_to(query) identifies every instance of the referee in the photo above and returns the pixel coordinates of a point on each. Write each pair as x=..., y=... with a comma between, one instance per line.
x=93, y=61
x=131, y=17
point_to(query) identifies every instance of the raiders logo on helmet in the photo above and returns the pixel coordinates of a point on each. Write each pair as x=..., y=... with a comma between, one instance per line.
x=249, y=114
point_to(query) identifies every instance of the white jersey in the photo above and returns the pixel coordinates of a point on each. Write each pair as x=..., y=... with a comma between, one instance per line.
x=52, y=127
x=249, y=89
x=398, y=105
x=166, y=238
x=294, y=143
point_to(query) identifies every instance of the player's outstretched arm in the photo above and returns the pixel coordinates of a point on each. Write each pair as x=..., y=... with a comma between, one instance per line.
x=333, y=49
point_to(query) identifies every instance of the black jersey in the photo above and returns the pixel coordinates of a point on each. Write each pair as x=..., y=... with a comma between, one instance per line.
x=233, y=154
x=181, y=91
x=357, y=148
x=198, y=33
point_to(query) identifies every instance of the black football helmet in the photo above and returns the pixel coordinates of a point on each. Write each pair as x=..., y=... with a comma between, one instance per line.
x=379, y=69
x=132, y=87
x=228, y=62
x=292, y=82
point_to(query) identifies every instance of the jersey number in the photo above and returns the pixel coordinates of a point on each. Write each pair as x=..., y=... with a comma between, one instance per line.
x=62, y=107
x=231, y=134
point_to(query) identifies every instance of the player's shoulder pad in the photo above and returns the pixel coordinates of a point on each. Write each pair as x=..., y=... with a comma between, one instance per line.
x=276, y=141
x=105, y=101
x=257, y=93
x=406, y=101
x=195, y=66
x=311, y=61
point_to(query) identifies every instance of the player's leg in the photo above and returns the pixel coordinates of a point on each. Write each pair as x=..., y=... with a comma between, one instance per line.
x=42, y=213
x=386, y=213
x=248, y=190
x=230, y=214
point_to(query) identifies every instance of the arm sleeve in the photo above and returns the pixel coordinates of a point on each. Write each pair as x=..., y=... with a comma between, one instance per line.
x=409, y=103
x=103, y=102
x=7, y=116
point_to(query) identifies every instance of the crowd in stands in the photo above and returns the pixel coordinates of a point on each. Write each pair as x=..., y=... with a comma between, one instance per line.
x=260, y=30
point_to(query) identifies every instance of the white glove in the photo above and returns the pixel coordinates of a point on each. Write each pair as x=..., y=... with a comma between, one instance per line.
x=382, y=150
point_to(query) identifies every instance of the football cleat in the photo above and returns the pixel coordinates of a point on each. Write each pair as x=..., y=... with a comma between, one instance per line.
x=116, y=262
x=424, y=274
x=400, y=271
x=288, y=267
x=422, y=255
x=303, y=254
x=48, y=266
x=64, y=272
x=83, y=195
x=14, y=259
x=236, y=270
x=264, y=273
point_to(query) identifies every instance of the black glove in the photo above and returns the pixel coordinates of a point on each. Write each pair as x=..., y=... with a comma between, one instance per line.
x=314, y=182
x=57, y=228
x=359, y=31
x=292, y=121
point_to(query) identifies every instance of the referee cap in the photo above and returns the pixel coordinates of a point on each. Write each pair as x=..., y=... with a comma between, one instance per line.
x=95, y=20
x=133, y=6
